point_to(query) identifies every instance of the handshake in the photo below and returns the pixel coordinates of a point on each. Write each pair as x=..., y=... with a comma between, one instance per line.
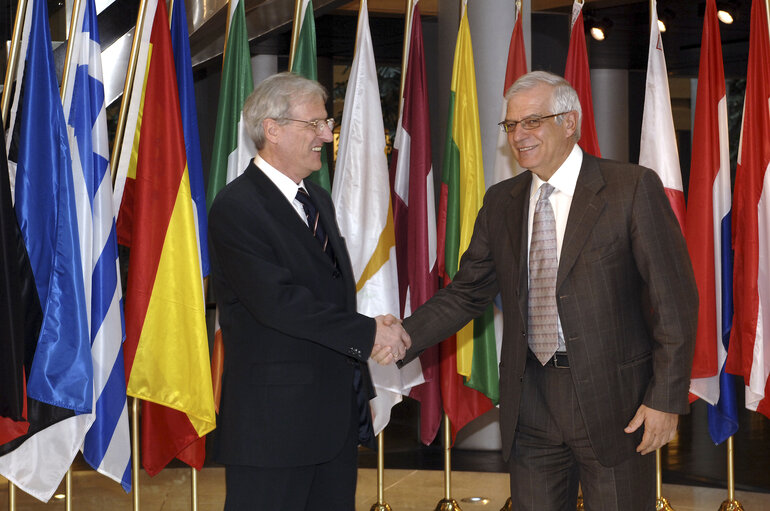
x=391, y=340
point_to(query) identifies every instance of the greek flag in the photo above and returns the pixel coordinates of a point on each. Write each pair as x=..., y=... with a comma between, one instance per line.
x=107, y=446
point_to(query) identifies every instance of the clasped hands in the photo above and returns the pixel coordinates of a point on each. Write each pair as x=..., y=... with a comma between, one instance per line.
x=391, y=340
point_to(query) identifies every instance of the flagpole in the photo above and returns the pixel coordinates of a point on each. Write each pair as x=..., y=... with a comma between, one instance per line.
x=731, y=504
x=135, y=448
x=13, y=57
x=130, y=74
x=380, y=505
x=447, y=503
x=767, y=16
x=227, y=30
x=68, y=55
x=68, y=490
x=661, y=503
x=405, y=51
x=295, y=31
x=11, y=496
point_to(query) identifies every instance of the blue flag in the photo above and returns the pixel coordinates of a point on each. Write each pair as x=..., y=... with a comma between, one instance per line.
x=107, y=446
x=180, y=40
x=61, y=372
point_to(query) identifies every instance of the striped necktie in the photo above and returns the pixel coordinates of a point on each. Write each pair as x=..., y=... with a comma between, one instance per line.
x=314, y=221
x=543, y=266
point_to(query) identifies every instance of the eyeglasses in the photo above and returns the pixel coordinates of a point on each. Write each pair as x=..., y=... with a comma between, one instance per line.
x=530, y=123
x=318, y=125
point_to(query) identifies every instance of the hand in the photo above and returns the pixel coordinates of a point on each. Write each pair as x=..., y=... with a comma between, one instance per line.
x=659, y=428
x=391, y=340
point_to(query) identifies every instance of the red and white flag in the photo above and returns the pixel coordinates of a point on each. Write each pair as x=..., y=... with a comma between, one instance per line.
x=749, y=351
x=657, y=149
x=505, y=164
x=578, y=74
x=414, y=215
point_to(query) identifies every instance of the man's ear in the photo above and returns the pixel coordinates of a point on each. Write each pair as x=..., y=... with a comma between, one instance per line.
x=570, y=122
x=270, y=128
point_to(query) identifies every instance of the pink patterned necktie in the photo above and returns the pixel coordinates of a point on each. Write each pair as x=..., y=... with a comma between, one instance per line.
x=543, y=266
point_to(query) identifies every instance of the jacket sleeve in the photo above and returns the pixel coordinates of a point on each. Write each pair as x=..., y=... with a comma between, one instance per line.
x=465, y=298
x=250, y=271
x=661, y=256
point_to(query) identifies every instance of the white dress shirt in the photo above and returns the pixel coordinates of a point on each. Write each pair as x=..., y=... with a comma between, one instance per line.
x=564, y=181
x=284, y=183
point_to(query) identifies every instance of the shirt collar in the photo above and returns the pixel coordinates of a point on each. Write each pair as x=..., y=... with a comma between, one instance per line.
x=565, y=178
x=284, y=183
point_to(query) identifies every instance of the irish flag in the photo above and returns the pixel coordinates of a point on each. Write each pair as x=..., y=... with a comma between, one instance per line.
x=304, y=62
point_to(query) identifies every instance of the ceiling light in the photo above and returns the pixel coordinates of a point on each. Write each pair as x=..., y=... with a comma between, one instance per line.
x=599, y=29
x=661, y=26
x=725, y=16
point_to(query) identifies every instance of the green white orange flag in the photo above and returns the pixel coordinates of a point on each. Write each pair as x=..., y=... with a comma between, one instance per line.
x=462, y=191
x=166, y=347
x=305, y=63
x=233, y=147
x=361, y=195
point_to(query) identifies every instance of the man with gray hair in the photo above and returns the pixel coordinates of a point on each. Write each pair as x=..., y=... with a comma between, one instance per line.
x=599, y=306
x=296, y=388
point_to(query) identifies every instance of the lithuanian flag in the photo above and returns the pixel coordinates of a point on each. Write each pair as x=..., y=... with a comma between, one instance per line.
x=462, y=193
x=166, y=347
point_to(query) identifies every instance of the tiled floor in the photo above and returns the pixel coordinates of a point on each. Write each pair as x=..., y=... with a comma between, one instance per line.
x=405, y=490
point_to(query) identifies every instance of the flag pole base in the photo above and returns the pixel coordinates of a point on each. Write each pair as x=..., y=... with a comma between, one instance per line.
x=731, y=505
x=580, y=506
x=508, y=505
x=380, y=507
x=661, y=504
x=448, y=505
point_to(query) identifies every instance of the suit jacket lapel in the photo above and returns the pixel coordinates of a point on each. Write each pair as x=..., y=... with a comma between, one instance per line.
x=285, y=214
x=586, y=207
x=516, y=222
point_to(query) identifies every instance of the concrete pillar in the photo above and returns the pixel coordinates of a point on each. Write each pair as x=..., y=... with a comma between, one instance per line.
x=610, y=98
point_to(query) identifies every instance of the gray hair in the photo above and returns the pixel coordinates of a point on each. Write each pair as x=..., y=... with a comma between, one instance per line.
x=563, y=98
x=274, y=98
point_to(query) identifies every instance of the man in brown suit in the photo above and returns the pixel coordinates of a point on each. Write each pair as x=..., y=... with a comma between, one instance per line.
x=599, y=304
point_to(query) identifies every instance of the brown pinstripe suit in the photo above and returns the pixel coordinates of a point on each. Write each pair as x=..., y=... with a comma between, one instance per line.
x=625, y=291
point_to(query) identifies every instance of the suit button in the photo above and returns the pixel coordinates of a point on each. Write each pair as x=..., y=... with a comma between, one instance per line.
x=336, y=274
x=523, y=334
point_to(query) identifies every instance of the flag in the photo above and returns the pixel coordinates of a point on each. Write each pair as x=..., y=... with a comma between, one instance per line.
x=578, y=75
x=361, y=195
x=749, y=350
x=107, y=446
x=166, y=348
x=61, y=371
x=180, y=41
x=305, y=63
x=233, y=147
x=658, y=149
x=14, y=337
x=462, y=190
x=708, y=236
x=414, y=216
x=487, y=376
x=505, y=164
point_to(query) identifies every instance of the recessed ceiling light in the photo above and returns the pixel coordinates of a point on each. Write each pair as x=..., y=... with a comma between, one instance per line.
x=661, y=26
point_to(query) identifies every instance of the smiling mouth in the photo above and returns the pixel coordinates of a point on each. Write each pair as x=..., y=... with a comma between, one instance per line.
x=317, y=149
x=525, y=149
